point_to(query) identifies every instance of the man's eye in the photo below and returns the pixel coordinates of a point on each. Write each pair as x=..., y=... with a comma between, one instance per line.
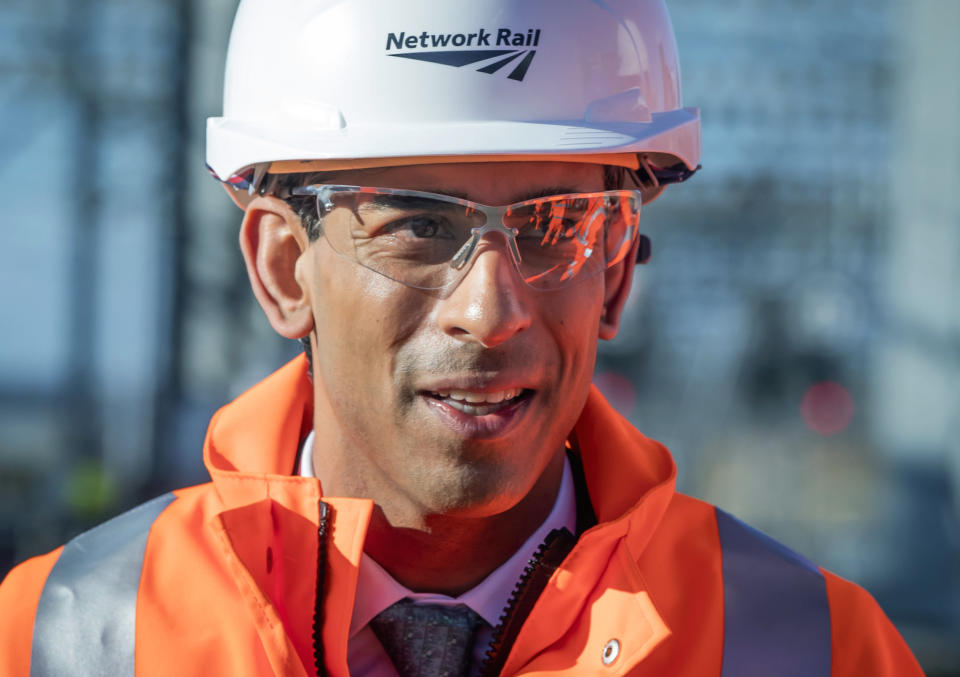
x=422, y=226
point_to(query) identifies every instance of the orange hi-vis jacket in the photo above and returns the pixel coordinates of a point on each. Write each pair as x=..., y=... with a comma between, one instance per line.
x=223, y=578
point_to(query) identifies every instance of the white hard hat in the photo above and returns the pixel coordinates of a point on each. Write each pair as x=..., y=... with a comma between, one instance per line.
x=326, y=84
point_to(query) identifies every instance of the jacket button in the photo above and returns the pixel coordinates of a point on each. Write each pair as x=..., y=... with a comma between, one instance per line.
x=610, y=652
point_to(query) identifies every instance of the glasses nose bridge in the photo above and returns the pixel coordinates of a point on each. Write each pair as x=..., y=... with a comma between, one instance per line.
x=493, y=223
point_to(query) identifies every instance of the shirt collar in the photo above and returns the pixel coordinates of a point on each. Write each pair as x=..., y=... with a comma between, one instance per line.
x=377, y=589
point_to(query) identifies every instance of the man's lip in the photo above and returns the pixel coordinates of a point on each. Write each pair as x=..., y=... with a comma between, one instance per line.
x=487, y=426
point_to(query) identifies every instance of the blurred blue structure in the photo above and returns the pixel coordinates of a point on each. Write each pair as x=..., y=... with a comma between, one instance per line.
x=819, y=244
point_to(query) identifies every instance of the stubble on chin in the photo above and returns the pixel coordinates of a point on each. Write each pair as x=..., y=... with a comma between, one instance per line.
x=442, y=477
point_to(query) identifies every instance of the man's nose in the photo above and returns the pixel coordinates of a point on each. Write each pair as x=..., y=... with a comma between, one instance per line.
x=491, y=303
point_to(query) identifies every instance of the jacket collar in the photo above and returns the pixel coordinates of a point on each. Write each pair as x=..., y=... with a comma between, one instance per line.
x=251, y=446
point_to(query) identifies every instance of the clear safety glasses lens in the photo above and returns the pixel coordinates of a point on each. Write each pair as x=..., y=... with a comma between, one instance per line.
x=429, y=241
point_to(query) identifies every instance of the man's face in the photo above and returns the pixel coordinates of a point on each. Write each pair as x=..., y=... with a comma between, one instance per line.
x=396, y=367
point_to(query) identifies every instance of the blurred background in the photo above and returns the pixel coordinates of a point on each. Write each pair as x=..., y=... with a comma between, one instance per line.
x=795, y=340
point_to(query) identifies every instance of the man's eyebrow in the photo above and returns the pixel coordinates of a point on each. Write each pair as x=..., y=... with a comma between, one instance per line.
x=388, y=201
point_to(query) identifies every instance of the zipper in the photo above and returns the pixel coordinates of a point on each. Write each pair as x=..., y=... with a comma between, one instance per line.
x=321, y=668
x=534, y=579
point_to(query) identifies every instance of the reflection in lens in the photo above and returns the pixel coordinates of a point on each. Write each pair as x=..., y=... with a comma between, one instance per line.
x=561, y=236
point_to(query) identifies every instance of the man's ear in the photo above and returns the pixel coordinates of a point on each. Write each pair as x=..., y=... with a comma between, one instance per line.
x=617, y=281
x=273, y=242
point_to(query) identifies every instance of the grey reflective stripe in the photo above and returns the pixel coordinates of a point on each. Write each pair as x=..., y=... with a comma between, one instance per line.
x=776, y=616
x=87, y=612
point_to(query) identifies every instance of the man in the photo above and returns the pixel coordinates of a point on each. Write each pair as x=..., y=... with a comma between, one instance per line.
x=435, y=488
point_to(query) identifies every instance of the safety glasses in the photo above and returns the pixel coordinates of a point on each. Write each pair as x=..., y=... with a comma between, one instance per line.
x=428, y=241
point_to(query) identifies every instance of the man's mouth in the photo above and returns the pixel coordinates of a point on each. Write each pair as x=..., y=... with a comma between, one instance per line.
x=480, y=404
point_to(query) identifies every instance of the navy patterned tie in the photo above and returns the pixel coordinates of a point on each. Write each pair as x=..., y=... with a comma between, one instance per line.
x=428, y=640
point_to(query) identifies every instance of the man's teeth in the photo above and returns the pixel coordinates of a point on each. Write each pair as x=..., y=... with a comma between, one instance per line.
x=478, y=398
x=477, y=404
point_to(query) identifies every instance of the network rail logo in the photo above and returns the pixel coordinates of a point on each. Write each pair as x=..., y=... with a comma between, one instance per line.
x=507, y=47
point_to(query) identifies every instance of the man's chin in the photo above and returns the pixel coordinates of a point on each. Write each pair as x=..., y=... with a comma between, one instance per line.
x=476, y=488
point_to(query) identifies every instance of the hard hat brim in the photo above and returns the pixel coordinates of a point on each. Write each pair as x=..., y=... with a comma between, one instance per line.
x=234, y=145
